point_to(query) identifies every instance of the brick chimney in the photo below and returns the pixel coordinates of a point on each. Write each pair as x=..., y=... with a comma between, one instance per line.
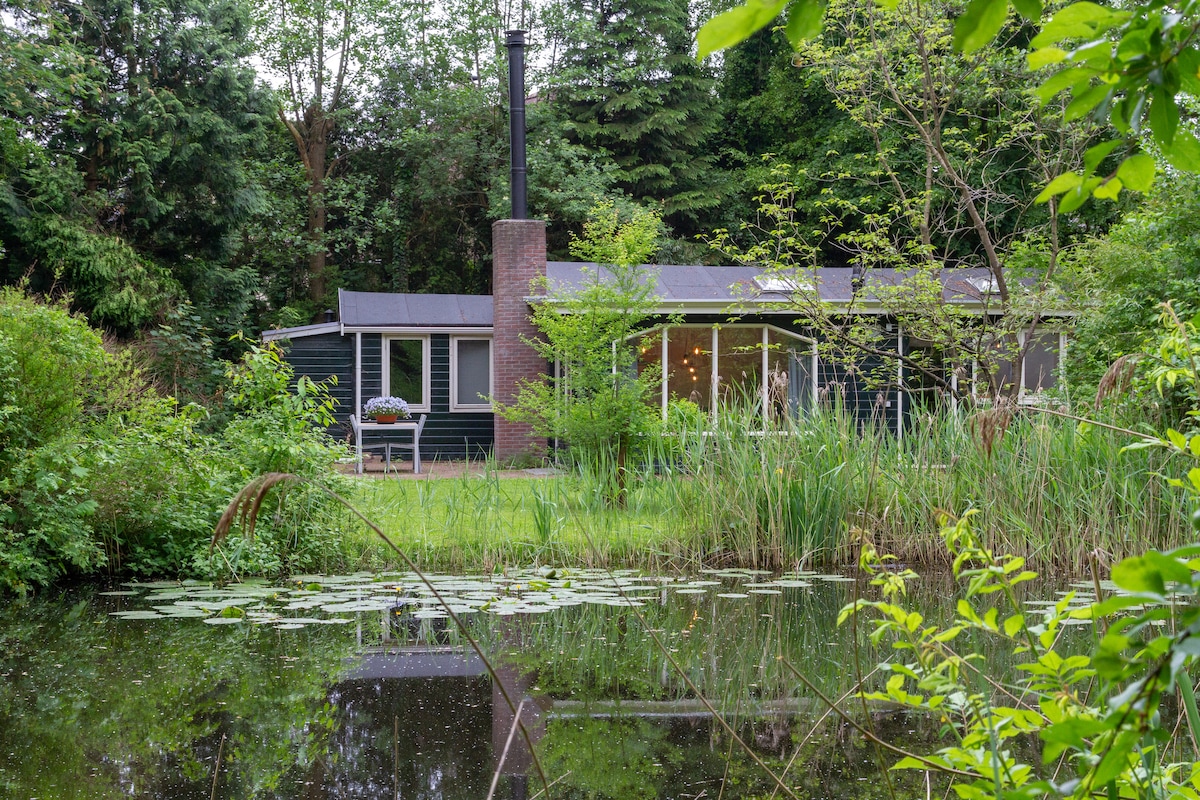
x=518, y=258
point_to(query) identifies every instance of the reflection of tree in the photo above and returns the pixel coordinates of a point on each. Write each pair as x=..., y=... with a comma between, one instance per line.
x=131, y=708
x=603, y=758
x=98, y=708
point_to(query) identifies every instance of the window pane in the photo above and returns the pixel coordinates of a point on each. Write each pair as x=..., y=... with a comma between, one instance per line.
x=649, y=360
x=789, y=374
x=689, y=365
x=739, y=366
x=1041, y=362
x=406, y=359
x=474, y=371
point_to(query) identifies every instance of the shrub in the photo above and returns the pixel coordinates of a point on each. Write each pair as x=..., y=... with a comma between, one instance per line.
x=98, y=471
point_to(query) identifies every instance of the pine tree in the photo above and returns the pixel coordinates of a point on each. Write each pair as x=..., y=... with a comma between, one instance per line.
x=628, y=83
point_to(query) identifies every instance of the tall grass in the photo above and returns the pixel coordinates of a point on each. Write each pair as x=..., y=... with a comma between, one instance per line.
x=801, y=492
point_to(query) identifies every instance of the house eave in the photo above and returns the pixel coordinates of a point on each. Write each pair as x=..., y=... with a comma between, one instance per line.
x=419, y=329
x=276, y=334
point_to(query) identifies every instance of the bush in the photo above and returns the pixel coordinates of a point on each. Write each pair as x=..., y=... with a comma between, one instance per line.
x=100, y=472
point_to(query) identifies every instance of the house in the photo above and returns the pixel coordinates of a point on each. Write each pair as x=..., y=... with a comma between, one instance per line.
x=735, y=332
x=445, y=354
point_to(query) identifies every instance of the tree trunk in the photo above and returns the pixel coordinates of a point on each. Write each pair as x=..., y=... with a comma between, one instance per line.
x=318, y=127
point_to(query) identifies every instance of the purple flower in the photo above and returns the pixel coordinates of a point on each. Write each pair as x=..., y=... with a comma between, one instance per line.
x=386, y=405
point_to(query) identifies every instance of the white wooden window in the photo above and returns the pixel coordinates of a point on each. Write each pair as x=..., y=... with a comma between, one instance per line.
x=470, y=373
x=406, y=370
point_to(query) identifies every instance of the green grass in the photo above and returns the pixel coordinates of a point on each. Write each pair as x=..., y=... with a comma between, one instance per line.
x=800, y=495
x=487, y=523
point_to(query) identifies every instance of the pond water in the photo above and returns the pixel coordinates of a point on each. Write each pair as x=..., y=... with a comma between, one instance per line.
x=361, y=687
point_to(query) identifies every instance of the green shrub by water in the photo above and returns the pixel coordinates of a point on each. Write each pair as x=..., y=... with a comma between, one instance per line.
x=99, y=473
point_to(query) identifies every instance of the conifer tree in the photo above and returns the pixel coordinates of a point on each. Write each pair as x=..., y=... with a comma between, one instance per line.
x=628, y=83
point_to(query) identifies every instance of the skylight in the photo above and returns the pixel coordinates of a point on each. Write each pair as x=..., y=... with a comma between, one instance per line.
x=783, y=284
x=984, y=285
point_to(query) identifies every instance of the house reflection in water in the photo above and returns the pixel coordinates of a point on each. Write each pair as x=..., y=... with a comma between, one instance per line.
x=425, y=721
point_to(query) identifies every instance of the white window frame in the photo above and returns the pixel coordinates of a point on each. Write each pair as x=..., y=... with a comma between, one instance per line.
x=385, y=378
x=664, y=331
x=455, y=405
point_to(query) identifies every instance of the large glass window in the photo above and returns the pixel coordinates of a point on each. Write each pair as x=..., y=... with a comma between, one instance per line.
x=789, y=373
x=407, y=371
x=689, y=365
x=472, y=373
x=750, y=364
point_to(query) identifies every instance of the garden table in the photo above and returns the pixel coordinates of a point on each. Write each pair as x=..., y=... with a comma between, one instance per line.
x=410, y=426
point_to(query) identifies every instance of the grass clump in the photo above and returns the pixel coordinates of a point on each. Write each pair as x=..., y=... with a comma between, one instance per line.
x=801, y=492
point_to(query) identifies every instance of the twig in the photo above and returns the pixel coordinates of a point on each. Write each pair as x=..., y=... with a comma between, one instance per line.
x=217, y=768
x=507, y=744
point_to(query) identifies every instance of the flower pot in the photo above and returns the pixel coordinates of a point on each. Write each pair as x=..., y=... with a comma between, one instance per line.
x=385, y=418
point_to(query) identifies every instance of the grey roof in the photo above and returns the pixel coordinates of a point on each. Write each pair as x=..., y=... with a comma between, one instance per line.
x=378, y=309
x=683, y=285
x=679, y=286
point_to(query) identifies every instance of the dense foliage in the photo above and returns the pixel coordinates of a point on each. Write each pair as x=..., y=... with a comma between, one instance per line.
x=101, y=474
x=597, y=403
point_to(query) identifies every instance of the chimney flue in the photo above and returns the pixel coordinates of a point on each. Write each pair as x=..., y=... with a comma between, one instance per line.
x=515, y=41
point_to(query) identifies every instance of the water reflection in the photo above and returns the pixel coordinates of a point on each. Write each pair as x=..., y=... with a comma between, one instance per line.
x=396, y=705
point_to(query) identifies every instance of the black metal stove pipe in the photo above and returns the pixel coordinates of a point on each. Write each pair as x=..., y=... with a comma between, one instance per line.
x=515, y=41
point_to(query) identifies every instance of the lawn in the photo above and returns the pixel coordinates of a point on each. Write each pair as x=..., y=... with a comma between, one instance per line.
x=481, y=523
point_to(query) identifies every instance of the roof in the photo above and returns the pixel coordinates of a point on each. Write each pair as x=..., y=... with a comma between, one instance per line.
x=296, y=333
x=692, y=286
x=681, y=287
x=380, y=309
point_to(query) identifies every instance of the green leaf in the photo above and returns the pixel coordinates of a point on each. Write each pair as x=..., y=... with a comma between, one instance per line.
x=1086, y=101
x=1108, y=606
x=1109, y=190
x=1077, y=197
x=979, y=24
x=1045, y=56
x=1184, y=152
x=1139, y=574
x=1137, y=172
x=1029, y=9
x=1063, y=183
x=1116, y=759
x=1164, y=116
x=1077, y=21
x=1073, y=77
x=804, y=20
x=1096, y=154
x=1189, y=70
x=736, y=25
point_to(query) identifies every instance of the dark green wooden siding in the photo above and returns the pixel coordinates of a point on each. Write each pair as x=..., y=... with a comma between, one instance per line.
x=320, y=358
x=447, y=434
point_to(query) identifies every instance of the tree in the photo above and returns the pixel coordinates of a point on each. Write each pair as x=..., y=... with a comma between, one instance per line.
x=321, y=51
x=958, y=149
x=1123, y=277
x=628, y=84
x=1132, y=68
x=132, y=186
x=598, y=406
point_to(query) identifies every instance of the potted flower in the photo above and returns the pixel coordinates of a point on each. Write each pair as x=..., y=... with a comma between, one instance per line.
x=386, y=408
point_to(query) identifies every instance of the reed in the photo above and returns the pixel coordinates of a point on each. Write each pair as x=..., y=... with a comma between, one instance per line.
x=800, y=492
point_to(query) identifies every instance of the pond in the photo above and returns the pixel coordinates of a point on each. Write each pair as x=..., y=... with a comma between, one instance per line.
x=361, y=687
